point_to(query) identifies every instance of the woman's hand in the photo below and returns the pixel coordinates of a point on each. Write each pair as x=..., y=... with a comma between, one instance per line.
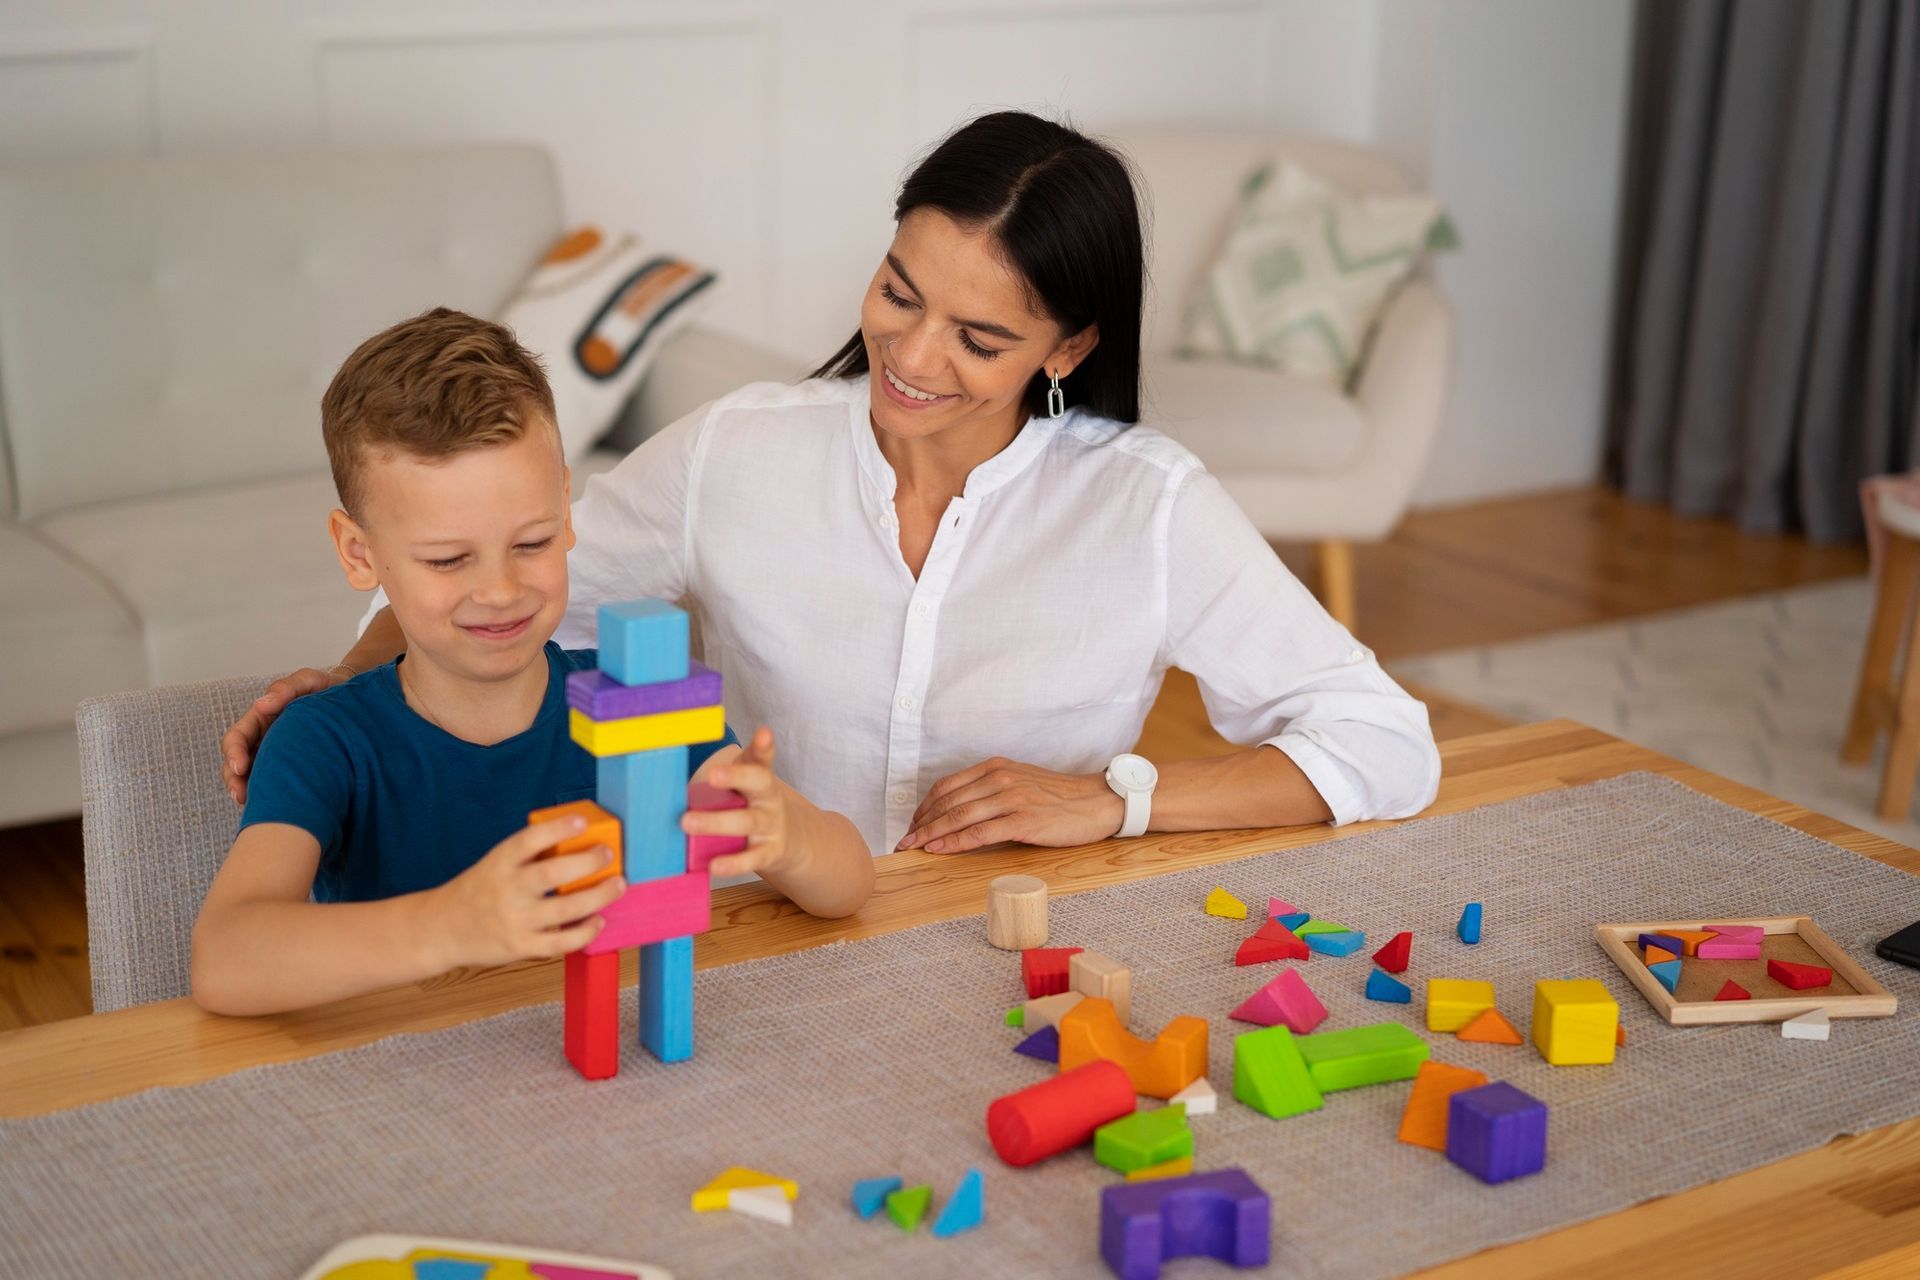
x=1000, y=799
x=241, y=743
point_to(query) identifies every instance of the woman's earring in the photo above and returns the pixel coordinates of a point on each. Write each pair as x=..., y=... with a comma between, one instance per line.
x=1056, y=398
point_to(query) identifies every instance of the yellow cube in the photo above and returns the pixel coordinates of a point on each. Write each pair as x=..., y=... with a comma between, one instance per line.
x=1574, y=1021
x=1454, y=1002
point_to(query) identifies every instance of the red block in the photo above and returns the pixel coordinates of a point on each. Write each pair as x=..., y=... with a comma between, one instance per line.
x=1273, y=941
x=1044, y=970
x=1731, y=990
x=592, y=1018
x=701, y=850
x=1798, y=976
x=1058, y=1114
x=1394, y=956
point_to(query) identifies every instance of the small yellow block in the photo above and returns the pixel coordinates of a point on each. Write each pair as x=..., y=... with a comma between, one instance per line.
x=1575, y=1021
x=1222, y=903
x=1454, y=1002
x=713, y=1196
x=647, y=733
x=1171, y=1169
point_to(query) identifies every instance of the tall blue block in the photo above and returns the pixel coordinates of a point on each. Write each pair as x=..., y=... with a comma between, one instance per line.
x=643, y=642
x=666, y=999
x=647, y=791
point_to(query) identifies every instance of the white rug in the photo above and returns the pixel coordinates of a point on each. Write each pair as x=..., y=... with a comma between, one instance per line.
x=1756, y=689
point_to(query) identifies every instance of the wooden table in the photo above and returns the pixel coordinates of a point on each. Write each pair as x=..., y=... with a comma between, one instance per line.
x=1850, y=1209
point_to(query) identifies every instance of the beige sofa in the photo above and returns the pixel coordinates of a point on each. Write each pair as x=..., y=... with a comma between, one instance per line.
x=167, y=326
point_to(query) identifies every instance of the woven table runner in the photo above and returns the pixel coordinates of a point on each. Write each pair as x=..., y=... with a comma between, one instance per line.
x=880, y=1056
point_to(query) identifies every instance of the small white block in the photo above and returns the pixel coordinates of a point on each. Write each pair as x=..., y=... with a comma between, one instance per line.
x=1808, y=1026
x=767, y=1203
x=1199, y=1097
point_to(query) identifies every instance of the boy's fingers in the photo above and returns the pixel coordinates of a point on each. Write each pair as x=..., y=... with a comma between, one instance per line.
x=531, y=841
x=745, y=778
x=551, y=873
x=737, y=864
x=560, y=942
x=720, y=822
x=759, y=748
x=570, y=908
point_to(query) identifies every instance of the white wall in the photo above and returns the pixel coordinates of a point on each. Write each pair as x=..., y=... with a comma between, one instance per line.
x=767, y=136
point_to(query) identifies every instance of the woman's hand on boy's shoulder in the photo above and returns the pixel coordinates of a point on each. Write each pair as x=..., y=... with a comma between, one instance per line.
x=241, y=743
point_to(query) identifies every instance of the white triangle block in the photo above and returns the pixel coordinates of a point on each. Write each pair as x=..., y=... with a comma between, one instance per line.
x=1199, y=1097
x=769, y=1204
x=1808, y=1026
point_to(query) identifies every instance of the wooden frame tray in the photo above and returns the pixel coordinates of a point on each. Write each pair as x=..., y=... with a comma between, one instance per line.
x=393, y=1248
x=1853, y=994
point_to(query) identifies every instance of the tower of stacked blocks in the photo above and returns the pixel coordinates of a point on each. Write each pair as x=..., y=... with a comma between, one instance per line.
x=637, y=715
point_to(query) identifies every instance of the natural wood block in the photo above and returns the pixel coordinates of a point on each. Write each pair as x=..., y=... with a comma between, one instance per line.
x=1017, y=912
x=1092, y=974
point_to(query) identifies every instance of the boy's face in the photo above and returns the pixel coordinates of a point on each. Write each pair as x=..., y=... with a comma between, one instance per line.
x=472, y=550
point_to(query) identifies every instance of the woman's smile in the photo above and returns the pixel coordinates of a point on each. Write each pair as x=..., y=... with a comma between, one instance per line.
x=905, y=393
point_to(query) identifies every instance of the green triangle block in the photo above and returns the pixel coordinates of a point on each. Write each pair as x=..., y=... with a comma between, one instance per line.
x=907, y=1207
x=1270, y=1076
x=1362, y=1055
x=1321, y=926
x=1017, y=1016
x=1144, y=1138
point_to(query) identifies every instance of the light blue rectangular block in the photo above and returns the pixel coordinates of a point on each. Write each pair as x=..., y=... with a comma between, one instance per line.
x=647, y=791
x=666, y=999
x=643, y=642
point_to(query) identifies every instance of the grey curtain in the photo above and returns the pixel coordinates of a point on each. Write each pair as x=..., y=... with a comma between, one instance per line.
x=1765, y=344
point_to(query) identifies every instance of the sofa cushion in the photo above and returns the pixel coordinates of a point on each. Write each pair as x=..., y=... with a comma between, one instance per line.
x=229, y=581
x=65, y=633
x=1237, y=418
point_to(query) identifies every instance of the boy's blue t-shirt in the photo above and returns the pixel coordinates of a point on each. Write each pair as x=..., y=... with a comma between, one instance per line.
x=397, y=803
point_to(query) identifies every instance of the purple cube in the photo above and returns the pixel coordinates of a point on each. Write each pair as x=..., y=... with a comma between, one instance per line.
x=1223, y=1214
x=1496, y=1132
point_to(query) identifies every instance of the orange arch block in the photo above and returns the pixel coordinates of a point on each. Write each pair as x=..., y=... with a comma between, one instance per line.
x=1158, y=1068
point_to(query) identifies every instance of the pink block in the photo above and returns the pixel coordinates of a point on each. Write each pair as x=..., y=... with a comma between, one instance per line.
x=1287, y=1001
x=653, y=911
x=1737, y=932
x=1716, y=949
x=1277, y=907
x=701, y=850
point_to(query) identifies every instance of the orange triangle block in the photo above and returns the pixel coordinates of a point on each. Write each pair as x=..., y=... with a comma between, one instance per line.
x=1654, y=955
x=1691, y=938
x=1490, y=1028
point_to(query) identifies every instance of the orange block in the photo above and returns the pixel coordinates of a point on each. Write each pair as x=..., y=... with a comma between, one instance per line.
x=1655, y=955
x=1620, y=1035
x=1693, y=939
x=1490, y=1028
x=1424, y=1122
x=603, y=828
x=1158, y=1068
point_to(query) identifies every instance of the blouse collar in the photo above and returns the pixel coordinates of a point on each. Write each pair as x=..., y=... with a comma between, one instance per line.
x=1003, y=466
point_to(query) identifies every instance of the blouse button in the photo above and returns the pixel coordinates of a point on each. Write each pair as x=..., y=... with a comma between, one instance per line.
x=901, y=795
x=1358, y=655
x=920, y=609
x=906, y=702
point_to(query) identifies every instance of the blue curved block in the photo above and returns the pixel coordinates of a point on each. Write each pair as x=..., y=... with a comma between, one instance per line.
x=963, y=1209
x=1382, y=985
x=1469, y=926
x=869, y=1194
x=1223, y=1214
x=1043, y=1044
x=1336, y=944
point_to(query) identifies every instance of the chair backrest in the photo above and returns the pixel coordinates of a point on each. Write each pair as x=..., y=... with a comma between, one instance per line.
x=156, y=822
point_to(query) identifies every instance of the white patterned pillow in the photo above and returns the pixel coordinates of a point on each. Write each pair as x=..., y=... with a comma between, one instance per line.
x=1304, y=272
x=596, y=311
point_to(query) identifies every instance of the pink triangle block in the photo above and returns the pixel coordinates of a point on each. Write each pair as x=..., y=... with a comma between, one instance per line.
x=1277, y=907
x=1736, y=932
x=1287, y=1001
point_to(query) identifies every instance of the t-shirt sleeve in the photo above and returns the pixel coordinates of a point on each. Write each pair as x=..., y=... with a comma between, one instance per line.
x=302, y=776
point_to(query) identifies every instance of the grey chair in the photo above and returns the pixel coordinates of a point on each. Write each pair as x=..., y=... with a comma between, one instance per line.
x=156, y=823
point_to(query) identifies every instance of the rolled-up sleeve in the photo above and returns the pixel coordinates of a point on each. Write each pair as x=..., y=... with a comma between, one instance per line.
x=1275, y=669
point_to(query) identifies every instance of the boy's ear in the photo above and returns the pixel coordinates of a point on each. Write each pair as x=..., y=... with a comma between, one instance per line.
x=350, y=544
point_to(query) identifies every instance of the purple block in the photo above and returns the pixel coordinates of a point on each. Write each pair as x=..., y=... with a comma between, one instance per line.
x=1665, y=941
x=1223, y=1214
x=1496, y=1132
x=1043, y=1044
x=598, y=696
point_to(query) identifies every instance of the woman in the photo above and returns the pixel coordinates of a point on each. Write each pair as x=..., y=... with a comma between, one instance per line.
x=952, y=571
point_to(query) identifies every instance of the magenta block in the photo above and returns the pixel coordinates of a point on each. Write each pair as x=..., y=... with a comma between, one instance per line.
x=704, y=849
x=653, y=911
x=598, y=696
x=1223, y=1214
x=1717, y=949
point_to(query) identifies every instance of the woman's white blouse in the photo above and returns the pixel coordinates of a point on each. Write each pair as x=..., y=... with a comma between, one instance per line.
x=1078, y=565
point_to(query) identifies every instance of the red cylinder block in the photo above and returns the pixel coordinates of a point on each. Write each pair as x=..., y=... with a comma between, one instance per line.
x=1058, y=1114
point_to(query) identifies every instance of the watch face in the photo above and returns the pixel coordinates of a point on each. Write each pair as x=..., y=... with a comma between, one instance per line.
x=1135, y=773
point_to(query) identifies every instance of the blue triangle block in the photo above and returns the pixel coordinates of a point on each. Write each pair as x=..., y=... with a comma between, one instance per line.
x=1668, y=971
x=1043, y=1044
x=1382, y=985
x=963, y=1208
x=1336, y=944
x=1469, y=926
x=869, y=1194
x=1294, y=921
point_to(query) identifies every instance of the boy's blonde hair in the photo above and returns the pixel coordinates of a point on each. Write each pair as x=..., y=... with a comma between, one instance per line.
x=433, y=386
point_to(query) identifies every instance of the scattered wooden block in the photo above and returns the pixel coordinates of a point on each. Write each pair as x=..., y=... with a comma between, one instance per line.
x=1801, y=977
x=1668, y=972
x=1385, y=987
x=1652, y=955
x=1017, y=912
x=1143, y=1139
x=1159, y=1068
x=1312, y=927
x=1273, y=941
x=1043, y=1044
x=1287, y=1001
x=1664, y=941
x=963, y=1209
x=1277, y=907
x=603, y=828
x=1058, y=1114
x=1045, y=970
x=1813, y=1025
x=1737, y=932
x=598, y=696
x=1048, y=1010
x=1620, y=1036
x=1171, y=1169
x=1223, y=1214
x=643, y=642
x=1270, y=1076
x=1198, y=1097
x=1468, y=930
x=1395, y=956
x=1017, y=1016
x=1575, y=1021
x=703, y=849
x=768, y=1204
x=713, y=1196
x=1490, y=1027
x=1092, y=974
x=653, y=911
x=1337, y=944
x=1692, y=938
x=1454, y=1002
x=1424, y=1122
x=1731, y=990
x=1716, y=949
x=1223, y=904
x=907, y=1206
x=590, y=1017
x=647, y=733
x=1293, y=921
x=1359, y=1056
x=870, y=1194
x=1496, y=1132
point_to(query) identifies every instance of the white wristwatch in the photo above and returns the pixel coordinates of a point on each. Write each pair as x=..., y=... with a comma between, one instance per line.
x=1133, y=779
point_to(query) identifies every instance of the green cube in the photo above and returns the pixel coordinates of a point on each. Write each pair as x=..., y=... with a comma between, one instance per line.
x=1144, y=1138
x=1270, y=1076
x=1362, y=1055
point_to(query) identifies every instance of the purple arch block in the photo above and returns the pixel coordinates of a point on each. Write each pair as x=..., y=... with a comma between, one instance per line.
x=1223, y=1214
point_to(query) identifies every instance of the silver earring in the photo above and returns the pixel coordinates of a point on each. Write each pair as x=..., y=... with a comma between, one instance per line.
x=1056, y=398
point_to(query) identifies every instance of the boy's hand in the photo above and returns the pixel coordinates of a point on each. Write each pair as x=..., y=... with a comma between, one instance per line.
x=764, y=821
x=497, y=911
x=241, y=743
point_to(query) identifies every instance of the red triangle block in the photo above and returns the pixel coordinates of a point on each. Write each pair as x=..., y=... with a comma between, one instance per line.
x=1273, y=941
x=1394, y=956
x=1731, y=990
x=1798, y=976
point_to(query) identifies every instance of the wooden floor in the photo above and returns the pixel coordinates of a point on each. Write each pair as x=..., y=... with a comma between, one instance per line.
x=1451, y=578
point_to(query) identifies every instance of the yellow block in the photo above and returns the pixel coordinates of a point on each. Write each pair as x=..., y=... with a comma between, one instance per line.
x=647, y=733
x=713, y=1196
x=1171, y=1169
x=1575, y=1021
x=1454, y=1002
x=1222, y=903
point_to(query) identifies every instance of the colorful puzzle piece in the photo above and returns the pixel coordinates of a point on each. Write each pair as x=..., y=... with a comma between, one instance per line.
x=1800, y=977
x=1490, y=1027
x=1337, y=944
x=870, y=1194
x=713, y=1196
x=1727, y=949
x=1277, y=907
x=1223, y=1214
x=1738, y=932
x=1272, y=941
x=1668, y=972
x=1292, y=921
x=765, y=1203
x=1731, y=990
x=1812, y=1025
x=1314, y=926
x=907, y=1206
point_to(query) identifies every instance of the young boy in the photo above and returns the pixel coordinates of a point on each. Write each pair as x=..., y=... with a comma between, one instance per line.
x=384, y=838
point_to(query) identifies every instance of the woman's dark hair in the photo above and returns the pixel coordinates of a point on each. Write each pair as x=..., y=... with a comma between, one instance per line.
x=1061, y=205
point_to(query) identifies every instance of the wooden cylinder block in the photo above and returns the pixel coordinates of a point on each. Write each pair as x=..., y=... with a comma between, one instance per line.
x=1017, y=912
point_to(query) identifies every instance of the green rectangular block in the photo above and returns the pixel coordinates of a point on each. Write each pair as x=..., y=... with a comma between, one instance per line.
x=1017, y=1016
x=1362, y=1055
x=1270, y=1076
x=1144, y=1138
x=1320, y=926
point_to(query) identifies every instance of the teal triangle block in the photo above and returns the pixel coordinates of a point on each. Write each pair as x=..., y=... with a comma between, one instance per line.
x=1668, y=971
x=1382, y=985
x=1294, y=921
x=870, y=1193
x=963, y=1209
